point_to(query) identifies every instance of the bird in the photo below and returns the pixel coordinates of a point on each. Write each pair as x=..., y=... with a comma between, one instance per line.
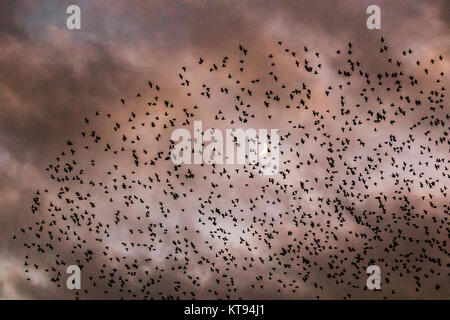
x=362, y=180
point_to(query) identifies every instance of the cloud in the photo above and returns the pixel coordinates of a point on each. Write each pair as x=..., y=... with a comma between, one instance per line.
x=54, y=78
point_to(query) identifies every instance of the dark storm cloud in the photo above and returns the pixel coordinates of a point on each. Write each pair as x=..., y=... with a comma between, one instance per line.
x=53, y=77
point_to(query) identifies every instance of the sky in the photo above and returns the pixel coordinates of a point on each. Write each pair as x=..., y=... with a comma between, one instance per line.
x=52, y=78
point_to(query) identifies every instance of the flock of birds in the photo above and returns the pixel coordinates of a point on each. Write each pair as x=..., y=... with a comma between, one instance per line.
x=362, y=180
